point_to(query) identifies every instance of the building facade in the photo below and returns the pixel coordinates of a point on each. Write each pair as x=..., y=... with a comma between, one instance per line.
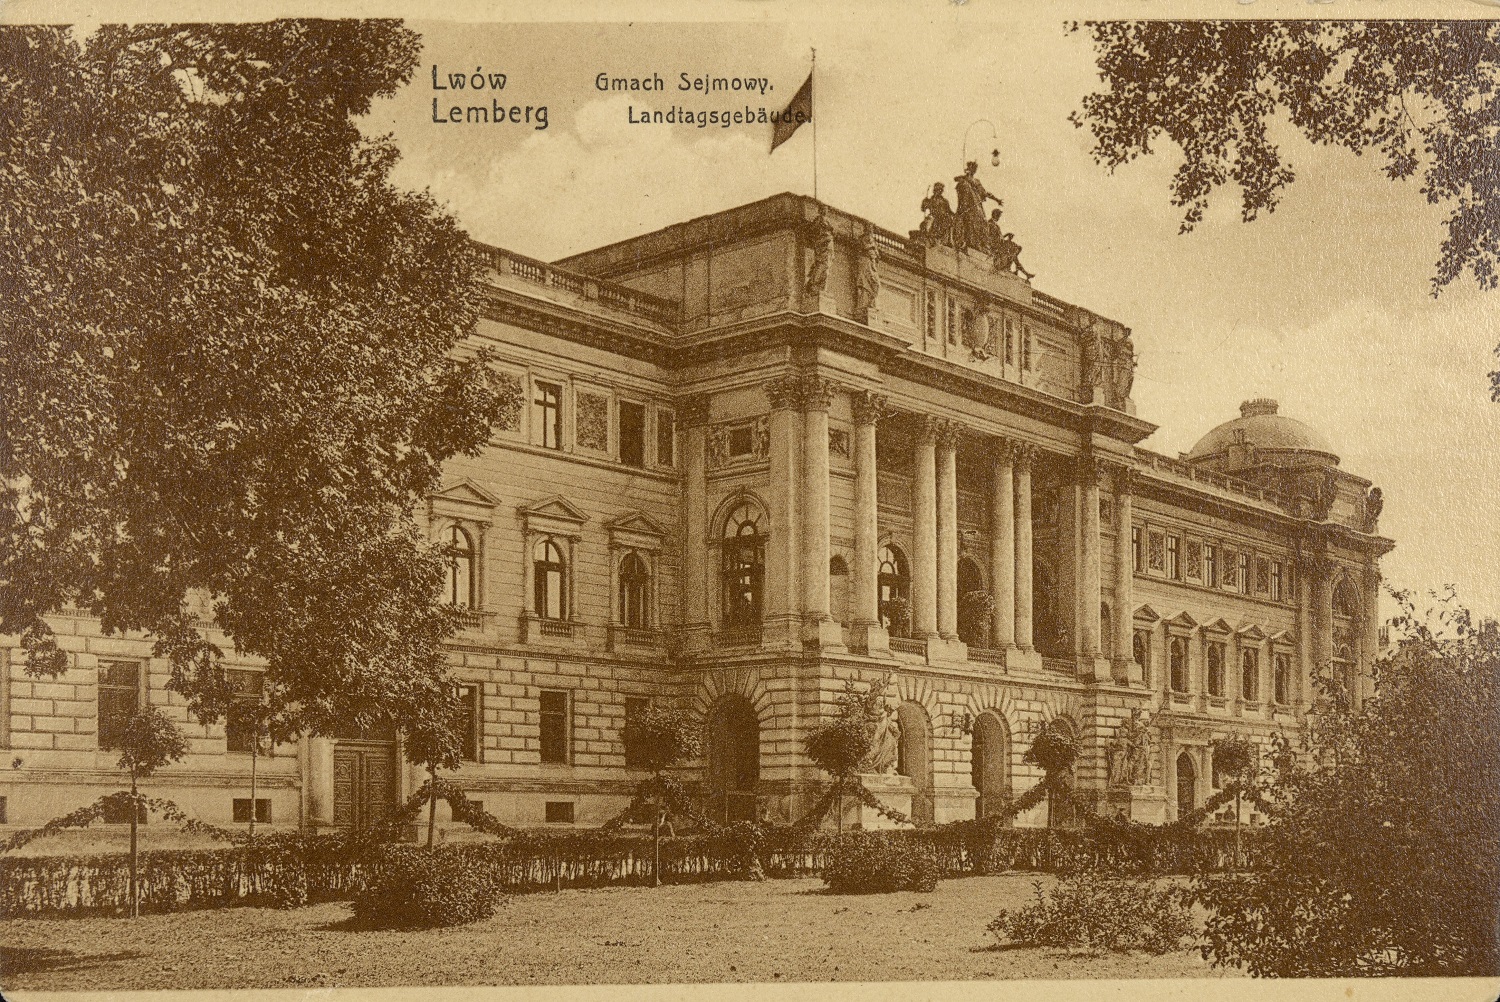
x=773, y=449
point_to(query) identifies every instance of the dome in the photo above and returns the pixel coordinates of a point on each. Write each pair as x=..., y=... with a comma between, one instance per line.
x=1265, y=431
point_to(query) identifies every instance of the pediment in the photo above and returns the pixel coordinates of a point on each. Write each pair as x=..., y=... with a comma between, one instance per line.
x=466, y=491
x=1251, y=632
x=1183, y=620
x=1147, y=614
x=637, y=522
x=1218, y=626
x=556, y=508
x=1283, y=637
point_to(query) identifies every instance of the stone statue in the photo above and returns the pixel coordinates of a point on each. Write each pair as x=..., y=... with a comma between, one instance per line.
x=993, y=237
x=885, y=747
x=820, y=236
x=1122, y=368
x=718, y=447
x=970, y=229
x=1093, y=360
x=1374, y=502
x=867, y=279
x=937, y=224
x=1007, y=257
x=1130, y=753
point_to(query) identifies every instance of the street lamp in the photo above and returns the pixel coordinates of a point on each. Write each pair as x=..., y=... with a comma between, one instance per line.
x=994, y=135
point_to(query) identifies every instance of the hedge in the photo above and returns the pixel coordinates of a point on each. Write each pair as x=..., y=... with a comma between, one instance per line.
x=291, y=870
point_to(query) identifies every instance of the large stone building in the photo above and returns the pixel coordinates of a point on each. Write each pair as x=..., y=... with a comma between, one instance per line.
x=775, y=448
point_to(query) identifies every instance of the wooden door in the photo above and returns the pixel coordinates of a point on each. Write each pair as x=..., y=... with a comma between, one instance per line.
x=364, y=782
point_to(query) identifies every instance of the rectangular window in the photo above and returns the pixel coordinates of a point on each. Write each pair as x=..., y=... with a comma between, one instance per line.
x=119, y=698
x=1216, y=669
x=1277, y=589
x=262, y=810
x=741, y=440
x=932, y=309
x=2, y=812
x=242, y=727
x=635, y=708
x=1010, y=341
x=1250, y=675
x=559, y=812
x=666, y=439
x=1262, y=576
x=1156, y=551
x=950, y=320
x=556, y=729
x=1211, y=565
x=468, y=696
x=1026, y=347
x=632, y=434
x=1137, y=558
x=1140, y=651
x=1243, y=573
x=1174, y=557
x=1283, y=678
x=548, y=405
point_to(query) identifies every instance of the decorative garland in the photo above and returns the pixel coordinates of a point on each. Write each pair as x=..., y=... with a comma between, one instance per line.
x=121, y=801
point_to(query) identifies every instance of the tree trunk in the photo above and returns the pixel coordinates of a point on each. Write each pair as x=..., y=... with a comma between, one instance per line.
x=1236, y=829
x=135, y=890
x=656, y=847
x=431, y=804
x=254, y=750
x=839, y=820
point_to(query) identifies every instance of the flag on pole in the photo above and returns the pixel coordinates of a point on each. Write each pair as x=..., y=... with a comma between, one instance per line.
x=796, y=113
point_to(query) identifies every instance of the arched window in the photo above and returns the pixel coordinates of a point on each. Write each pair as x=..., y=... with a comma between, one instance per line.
x=1343, y=599
x=1177, y=654
x=549, y=580
x=743, y=572
x=458, y=588
x=1187, y=781
x=990, y=764
x=973, y=615
x=635, y=592
x=895, y=591
x=1216, y=669
x=1140, y=650
x=1250, y=674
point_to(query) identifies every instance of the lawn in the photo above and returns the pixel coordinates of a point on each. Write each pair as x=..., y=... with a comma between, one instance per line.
x=777, y=930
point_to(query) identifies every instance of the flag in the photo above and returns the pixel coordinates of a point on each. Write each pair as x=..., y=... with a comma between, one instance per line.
x=799, y=111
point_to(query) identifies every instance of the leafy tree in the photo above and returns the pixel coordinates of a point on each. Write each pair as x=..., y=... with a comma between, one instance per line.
x=840, y=746
x=1238, y=758
x=229, y=357
x=658, y=739
x=432, y=726
x=1421, y=94
x=1054, y=750
x=1384, y=833
x=149, y=742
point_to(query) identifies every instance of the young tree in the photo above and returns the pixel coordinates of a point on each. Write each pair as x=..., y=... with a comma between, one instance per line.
x=841, y=746
x=1238, y=758
x=1421, y=94
x=150, y=741
x=658, y=739
x=1383, y=841
x=1055, y=750
x=432, y=725
x=230, y=362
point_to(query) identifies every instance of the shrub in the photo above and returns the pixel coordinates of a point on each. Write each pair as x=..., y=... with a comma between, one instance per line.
x=870, y=863
x=407, y=886
x=1099, y=912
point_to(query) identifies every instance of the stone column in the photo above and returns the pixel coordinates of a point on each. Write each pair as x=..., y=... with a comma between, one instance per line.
x=1125, y=669
x=947, y=532
x=819, y=630
x=867, y=632
x=1003, y=544
x=1320, y=578
x=1369, y=631
x=692, y=414
x=783, y=573
x=1024, y=456
x=320, y=780
x=1089, y=590
x=924, y=576
x=1303, y=584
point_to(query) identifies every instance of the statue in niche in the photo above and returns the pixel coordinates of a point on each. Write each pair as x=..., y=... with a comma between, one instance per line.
x=885, y=747
x=1122, y=368
x=1324, y=492
x=820, y=237
x=1092, y=344
x=761, y=443
x=937, y=224
x=970, y=228
x=867, y=279
x=718, y=446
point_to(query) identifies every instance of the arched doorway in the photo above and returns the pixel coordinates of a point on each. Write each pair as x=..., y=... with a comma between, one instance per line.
x=732, y=761
x=1187, y=785
x=973, y=617
x=914, y=758
x=990, y=764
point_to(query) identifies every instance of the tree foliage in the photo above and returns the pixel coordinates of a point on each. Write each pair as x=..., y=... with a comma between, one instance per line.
x=151, y=740
x=1420, y=94
x=228, y=365
x=840, y=745
x=659, y=738
x=1384, y=833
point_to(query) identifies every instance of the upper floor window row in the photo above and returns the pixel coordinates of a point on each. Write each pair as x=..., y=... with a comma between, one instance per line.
x=1171, y=554
x=577, y=418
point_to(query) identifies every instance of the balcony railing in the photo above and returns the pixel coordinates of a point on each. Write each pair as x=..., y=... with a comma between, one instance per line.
x=1063, y=666
x=619, y=297
x=987, y=655
x=905, y=645
x=470, y=619
x=1189, y=471
x=554, y=628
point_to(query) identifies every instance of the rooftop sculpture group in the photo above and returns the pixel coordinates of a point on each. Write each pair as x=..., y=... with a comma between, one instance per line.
x=966, y=228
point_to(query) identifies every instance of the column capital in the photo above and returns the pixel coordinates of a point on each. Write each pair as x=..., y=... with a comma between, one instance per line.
x=784, y=392
x=693, y=410
x=1316, y=567
x=1088, y=469
x=1025, y=455
x=948, y=433
x=1122, y=477
x=868, y=407
x=816, y=393
x=927, y=429
x=1003, y=450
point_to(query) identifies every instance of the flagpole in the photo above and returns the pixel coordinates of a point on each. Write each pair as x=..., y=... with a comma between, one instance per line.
x=813, y=110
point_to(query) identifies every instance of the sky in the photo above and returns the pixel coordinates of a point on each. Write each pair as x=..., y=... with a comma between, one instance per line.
x=1324, y=305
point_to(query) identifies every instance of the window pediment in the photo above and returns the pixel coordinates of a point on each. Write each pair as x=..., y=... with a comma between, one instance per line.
x=1283, y=638
x=1251, y=632
x=555, y=514
x=1146, y=614
x=468, y=493
x=1182, y=622
x=635, y=529
x=1220, y=626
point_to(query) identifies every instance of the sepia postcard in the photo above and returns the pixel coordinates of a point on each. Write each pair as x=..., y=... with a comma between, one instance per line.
x=750, y=500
